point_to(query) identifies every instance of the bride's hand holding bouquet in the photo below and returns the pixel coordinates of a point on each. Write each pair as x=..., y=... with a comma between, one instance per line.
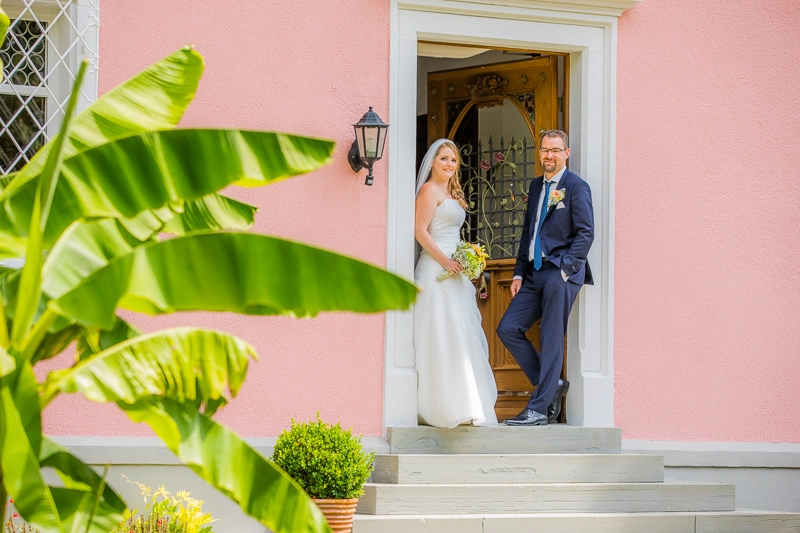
x=472, y=258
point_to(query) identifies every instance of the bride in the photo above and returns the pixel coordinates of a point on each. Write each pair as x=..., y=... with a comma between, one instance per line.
x=455, y=382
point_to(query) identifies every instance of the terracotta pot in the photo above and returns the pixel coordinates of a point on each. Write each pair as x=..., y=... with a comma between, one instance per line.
x=339, y=513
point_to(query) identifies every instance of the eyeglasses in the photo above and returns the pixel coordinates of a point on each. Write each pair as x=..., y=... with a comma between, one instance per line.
x=554, y=151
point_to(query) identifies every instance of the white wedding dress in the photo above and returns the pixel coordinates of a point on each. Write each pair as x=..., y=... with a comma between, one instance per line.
x=455, y=381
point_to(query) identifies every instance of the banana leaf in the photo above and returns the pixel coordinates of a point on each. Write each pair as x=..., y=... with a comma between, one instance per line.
x=20, y=440
x=11, y=246
x=83, y=248
x=85, y=499
x=189, y=365
x=156, y=98
x=164, y=379
x=55, y=342
x=94, y=341
x=7, y=363
x=212, y=212
x=30, y=287
x=6, y=179
x=237, y=272
x=122, y=178
x=4, y=23
x=229, y=464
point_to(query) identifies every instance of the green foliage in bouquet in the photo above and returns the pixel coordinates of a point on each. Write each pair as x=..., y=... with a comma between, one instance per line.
x=325, y=460
x=472, y=258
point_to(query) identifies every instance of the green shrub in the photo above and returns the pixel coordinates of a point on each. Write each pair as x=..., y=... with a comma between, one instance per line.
x=325, y=460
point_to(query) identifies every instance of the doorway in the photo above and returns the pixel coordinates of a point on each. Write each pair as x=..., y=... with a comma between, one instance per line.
x=586, y=40
x=494, y=112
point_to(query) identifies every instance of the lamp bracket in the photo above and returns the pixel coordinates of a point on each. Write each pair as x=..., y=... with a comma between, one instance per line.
x=352, y=157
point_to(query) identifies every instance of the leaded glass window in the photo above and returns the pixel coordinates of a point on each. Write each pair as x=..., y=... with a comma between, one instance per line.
x=45, y=43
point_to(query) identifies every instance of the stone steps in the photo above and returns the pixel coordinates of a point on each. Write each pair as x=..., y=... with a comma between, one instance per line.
x=669, y=522
x=510, y=498
x=555, y=438
x=520, y=468
x=555, y=478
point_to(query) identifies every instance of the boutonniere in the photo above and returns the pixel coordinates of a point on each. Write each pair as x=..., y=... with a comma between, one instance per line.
x=556, y=197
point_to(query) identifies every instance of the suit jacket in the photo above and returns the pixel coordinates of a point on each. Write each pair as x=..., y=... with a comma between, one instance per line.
x=567, y=232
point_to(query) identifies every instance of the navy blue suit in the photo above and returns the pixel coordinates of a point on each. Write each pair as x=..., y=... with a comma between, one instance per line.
x=566, y=235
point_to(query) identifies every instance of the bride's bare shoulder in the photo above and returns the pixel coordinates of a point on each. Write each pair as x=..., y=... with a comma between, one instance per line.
x=429, y=192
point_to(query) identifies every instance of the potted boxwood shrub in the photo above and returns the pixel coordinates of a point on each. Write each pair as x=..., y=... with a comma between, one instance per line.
x=329, y=463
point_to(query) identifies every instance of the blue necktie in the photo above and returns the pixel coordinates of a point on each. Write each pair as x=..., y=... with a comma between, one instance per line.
x=537, y=246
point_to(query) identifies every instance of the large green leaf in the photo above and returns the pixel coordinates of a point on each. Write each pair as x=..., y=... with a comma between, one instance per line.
x=156, y=98
x=162, y=379
x=30, y=288
x=82, y=512
x=83, y=248
x=239, y=272
x=213, y=212
x=11, y=246
x=85, y=498
x=88, y=246
x=7, y=363
x=150, y=170
x=96, y=340
x=24, y=392
x=21, y=473
x=230, y=465
x=193, y=366
x=4, y=23
x=56, y=341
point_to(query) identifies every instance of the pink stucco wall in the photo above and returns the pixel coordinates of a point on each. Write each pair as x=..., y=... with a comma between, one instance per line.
x=707, y=287
x=306, y=68
x=707, y=340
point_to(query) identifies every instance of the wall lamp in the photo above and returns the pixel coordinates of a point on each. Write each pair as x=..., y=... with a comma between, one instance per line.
x=368, y=146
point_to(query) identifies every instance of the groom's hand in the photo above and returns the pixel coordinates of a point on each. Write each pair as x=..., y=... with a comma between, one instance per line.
x=515, y=286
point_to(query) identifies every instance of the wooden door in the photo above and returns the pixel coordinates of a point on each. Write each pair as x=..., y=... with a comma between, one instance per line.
x=496, y=173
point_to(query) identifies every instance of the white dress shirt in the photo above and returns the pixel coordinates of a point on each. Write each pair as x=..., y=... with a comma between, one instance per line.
x=539, y=214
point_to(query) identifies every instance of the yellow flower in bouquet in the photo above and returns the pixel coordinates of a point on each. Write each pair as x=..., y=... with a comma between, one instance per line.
x=472, y=258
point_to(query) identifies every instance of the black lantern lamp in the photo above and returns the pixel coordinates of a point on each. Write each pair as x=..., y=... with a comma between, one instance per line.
x=368, y=146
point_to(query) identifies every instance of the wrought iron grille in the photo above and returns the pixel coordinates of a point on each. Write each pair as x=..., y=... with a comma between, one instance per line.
x=495, y=179
x=41, y=54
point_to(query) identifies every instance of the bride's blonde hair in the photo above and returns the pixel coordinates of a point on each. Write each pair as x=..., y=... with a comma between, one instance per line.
x=454, y=183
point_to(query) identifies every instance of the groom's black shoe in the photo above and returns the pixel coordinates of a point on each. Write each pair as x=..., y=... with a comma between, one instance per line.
x=555, y=408
x=528, y=417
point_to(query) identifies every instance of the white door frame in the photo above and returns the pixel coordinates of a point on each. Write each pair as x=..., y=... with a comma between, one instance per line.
x=587, y=30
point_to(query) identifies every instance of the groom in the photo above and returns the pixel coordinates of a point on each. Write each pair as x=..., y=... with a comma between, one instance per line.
x=551, y=268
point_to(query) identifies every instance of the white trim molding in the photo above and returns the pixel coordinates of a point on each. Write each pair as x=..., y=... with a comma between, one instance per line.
x=577, y=11
x=151, y=451
x=587, y=31
x=766, y=475
x=719, y=454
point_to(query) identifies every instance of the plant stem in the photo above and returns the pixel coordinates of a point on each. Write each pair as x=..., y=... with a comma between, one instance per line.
x=3, y=496
x=37, y=333
x=97, y=497
x=3, y=324
x=30, y=287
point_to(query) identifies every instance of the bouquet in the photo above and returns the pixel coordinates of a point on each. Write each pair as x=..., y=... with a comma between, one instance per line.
x=471, y=257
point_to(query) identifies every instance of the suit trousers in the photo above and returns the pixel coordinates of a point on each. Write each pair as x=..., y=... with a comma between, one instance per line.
x=544, y=294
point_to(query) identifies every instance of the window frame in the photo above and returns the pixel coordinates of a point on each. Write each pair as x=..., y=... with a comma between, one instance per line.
x=72, y=33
